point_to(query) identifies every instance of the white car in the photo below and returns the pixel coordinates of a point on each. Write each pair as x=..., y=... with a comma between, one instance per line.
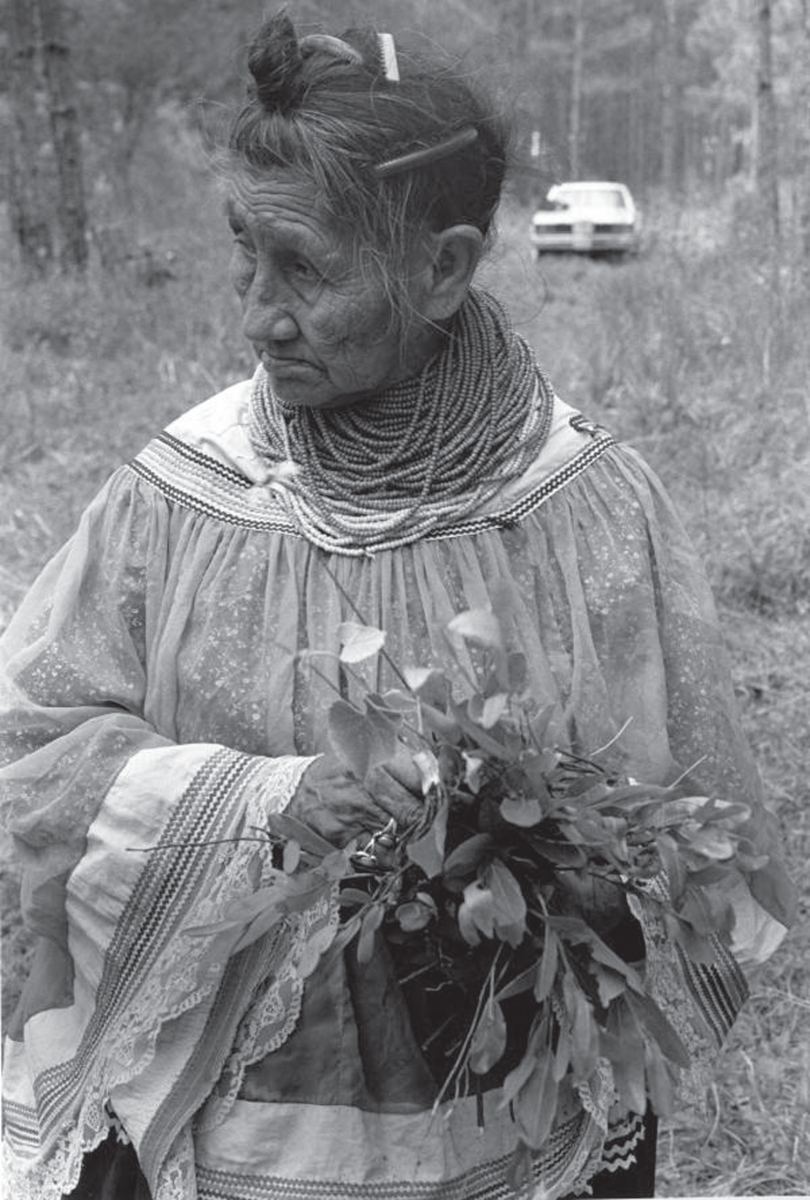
x=587, y=218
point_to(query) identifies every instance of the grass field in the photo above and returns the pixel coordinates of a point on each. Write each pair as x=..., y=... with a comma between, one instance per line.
x=691, y=353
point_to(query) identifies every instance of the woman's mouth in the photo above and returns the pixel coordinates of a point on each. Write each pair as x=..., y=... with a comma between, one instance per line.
x=282, y=364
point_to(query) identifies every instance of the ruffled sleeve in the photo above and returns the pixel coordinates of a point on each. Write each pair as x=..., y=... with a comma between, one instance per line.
x=128, y=841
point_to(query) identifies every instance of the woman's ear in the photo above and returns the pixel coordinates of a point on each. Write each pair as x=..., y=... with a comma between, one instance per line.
x=454, y=255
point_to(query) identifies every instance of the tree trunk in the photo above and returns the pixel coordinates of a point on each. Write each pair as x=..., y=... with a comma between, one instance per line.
x=669, y=96
x=27, y=188
x=575, y=112
x=804, y=135
x=65, y=134
x=767, y=147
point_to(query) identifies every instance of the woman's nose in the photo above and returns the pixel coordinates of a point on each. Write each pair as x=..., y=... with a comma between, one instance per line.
x=266, y=318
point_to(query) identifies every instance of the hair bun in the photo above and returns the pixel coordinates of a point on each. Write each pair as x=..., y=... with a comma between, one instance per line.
x=276, y=64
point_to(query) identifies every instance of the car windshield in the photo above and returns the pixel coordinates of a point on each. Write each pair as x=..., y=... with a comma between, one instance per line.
x=591, y=197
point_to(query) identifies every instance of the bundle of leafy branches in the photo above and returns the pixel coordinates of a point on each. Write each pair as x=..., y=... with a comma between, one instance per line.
x=507, y=906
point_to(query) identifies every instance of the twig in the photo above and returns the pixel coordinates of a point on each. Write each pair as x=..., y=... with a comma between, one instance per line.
x=716, y=1121
x=196, y=845
x=361, y=617
x=614, y=739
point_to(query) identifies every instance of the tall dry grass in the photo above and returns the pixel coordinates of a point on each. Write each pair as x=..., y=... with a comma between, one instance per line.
x=689, y=353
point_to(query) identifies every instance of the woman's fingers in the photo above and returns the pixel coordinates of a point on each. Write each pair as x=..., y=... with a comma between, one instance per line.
x=339, y=808
x=404, y=770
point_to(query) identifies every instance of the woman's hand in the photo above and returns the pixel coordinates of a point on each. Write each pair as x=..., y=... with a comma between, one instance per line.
x=340, y=808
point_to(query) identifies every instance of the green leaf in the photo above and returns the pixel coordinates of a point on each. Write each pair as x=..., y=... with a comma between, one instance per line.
x=489, y=1040
x=466, y=858
x=519, y=985
x=241, y=912
x=439, y=723
x=283, y=826
x=571, y=929
x=610, y=984
x=428, y=851
x=261, y=924
x=724, y=812
x=509, y=903
x=696, y=946
x=580, y=788
x=547, y=970
x=291, y=856
x=672, y=864
x=562, y=1055
x=478, y=625
x=658, y=1027
x=370, y=923
x=476, y=913
x=538, y=768
x=707, y=911
x=488, y=711
x=378, y=705
x=584, y=1031
x=659, y=1081
x=255, y=871
x=711, y=842
x=336, y=864
x=426, y=854
x=562, y=852
x=523, y=811
x=385, y=732
x=771, y=887
x=361, y=740
x=516, y=1078
x=301, y=893
x=429, y=684
x=359, y=641
x=451, y=766
x=427, y=765
x=519, y=1175
x=603, y=954
x=706, y=876
x=638, y=796
x=479, y=735
x=540, y=723
x=535, y=1105
x=474, y=771
x=354, y=897
x=414, y=915
x=396, y=700
x=623, y=1045
x=318, y=943
x=347, y=932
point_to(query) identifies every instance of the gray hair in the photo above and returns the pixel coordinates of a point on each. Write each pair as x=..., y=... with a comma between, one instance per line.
x=329, y=108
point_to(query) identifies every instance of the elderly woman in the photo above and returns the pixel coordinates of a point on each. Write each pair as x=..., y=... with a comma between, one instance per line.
x=396, y=455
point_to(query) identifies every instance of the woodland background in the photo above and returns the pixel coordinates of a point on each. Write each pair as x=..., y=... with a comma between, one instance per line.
x=117, y=314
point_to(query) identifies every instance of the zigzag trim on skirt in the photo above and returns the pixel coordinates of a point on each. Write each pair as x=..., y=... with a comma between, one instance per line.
x=487, y=1181
x=192, y=479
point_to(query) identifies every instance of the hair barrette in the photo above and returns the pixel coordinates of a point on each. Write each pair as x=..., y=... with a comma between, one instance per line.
x=429, y=154
x=388, y=53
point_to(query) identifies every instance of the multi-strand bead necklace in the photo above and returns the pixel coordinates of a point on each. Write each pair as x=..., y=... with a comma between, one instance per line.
x=384, y=472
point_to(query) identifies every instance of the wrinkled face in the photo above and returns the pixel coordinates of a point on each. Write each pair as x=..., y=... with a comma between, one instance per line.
x=324, y=331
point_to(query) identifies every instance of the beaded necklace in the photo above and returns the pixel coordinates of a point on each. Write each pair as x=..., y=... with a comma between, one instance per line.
x=383, y=473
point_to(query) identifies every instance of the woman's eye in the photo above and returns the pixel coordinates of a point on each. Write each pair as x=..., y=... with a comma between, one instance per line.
x=242, y=243
x=304, y=271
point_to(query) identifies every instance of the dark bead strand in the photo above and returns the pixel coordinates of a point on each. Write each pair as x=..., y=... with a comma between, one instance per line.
x=382, y=473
